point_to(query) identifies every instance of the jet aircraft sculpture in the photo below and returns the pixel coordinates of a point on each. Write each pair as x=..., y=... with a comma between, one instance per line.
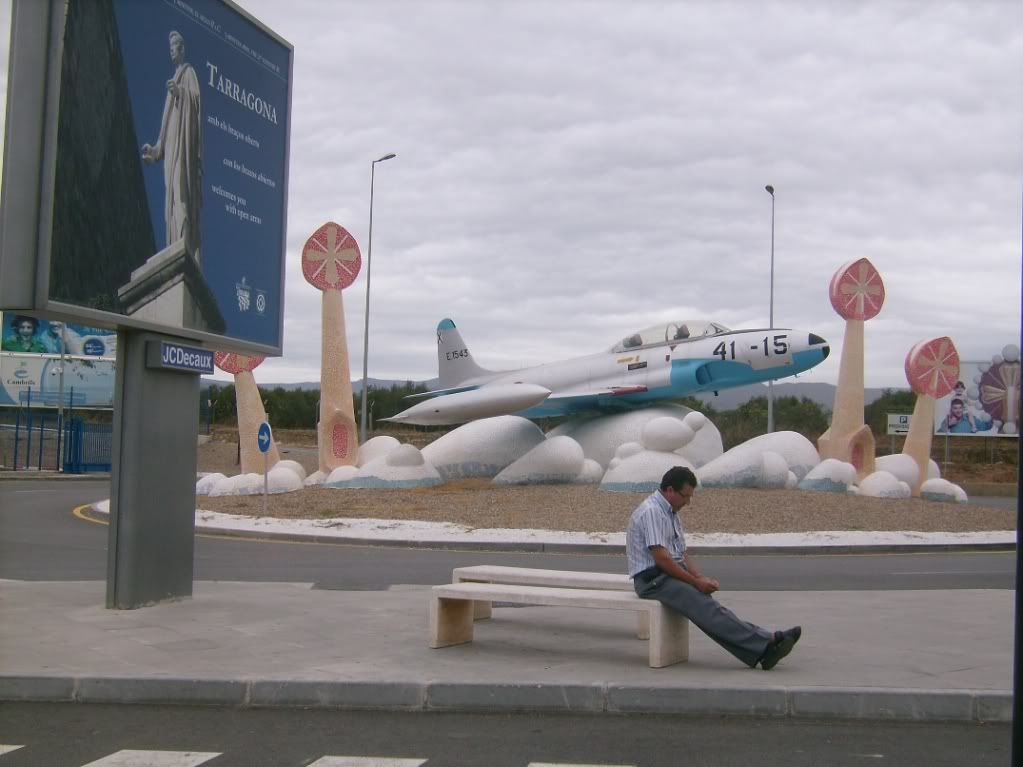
x=663, y=362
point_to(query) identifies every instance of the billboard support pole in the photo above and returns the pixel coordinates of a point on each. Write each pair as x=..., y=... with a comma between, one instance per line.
x=150, y=548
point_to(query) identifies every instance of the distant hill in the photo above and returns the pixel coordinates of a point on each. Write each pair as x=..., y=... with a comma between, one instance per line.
x=728, y=399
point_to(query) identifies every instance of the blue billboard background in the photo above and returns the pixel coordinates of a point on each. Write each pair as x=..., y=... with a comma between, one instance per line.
x=243, y=76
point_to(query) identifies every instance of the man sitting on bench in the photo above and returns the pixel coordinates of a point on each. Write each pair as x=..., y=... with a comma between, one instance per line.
x=660, y=569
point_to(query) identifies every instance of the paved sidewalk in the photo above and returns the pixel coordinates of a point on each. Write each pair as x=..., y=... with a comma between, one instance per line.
x=932, y=655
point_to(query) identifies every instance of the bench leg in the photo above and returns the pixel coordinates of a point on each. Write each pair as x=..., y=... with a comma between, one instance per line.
x=643, y=625
x=450, y=621
x=669, y=637
x=481, y=610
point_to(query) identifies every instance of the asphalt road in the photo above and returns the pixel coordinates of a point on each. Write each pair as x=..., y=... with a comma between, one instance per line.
x=76, y=734
x=41, y=540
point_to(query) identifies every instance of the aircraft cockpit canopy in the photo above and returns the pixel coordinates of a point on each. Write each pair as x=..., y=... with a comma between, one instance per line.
x=675, y=331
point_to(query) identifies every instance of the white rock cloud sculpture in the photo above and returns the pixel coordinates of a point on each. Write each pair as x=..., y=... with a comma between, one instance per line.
x=554, y=461
x=402, y=467
x=283, y=481
x=830, y=476
x=590, y=474
x=207, y=482
x=744, y=465
x=601, y=435
x=938, y=489
x=376, y=447
x=905, y=468
x=641, y=472
x=294, y=466
x=482, y=448
x=341, y=476
x=883, y=484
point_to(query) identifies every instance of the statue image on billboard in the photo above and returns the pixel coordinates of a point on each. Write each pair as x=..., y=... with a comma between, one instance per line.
x=179, y=145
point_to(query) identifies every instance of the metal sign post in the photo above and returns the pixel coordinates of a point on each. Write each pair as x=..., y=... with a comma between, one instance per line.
x=264, y=439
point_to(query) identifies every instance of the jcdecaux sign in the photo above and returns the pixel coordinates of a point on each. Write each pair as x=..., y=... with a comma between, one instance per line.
x=170, y=356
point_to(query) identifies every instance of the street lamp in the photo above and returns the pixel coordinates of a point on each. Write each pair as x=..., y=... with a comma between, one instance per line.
x=770, y=384
x=369, y=262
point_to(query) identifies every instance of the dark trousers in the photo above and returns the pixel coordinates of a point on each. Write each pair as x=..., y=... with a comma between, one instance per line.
x=745, y=640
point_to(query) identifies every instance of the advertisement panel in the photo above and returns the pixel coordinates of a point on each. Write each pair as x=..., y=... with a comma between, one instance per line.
x=32, y=335
x=986, y=399
x=164, y=168
x=34, y=380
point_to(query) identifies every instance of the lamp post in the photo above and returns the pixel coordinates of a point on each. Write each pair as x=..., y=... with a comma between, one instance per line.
x=770, y=384
x=369, y=263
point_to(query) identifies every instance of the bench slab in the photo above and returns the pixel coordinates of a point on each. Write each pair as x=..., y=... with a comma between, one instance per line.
x=451, y=613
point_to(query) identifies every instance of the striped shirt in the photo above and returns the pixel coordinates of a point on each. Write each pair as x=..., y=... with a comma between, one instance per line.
x=653, y=523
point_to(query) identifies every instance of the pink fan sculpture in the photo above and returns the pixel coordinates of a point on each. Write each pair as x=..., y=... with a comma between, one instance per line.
x=932, y=369
x=857, y=294
x=330, y=262
x=250, y=410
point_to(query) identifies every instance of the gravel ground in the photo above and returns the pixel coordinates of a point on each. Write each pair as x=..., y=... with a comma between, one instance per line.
x=585, y=508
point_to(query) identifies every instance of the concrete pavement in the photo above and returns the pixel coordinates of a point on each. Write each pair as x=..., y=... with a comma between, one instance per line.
x=923, y=655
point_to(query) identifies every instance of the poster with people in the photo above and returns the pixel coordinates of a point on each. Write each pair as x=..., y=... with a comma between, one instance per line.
x=985, y=400
x=26, y=334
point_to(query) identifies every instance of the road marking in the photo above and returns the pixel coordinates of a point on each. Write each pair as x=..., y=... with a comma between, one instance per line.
x=573, y=764
x=130, y=758
x=7, y=749
x=365, y=761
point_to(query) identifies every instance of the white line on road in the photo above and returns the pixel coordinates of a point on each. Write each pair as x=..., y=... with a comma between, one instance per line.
x=7, y=749
x=131, y=758
x=365, y=761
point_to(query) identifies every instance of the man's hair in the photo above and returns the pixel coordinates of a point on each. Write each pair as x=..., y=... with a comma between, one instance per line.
x=678, y=477
x=957, y=401
x=20, y=318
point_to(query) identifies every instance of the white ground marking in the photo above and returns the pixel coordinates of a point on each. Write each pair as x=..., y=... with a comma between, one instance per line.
x=365, y=761
x=7, y=749
x=130, y=758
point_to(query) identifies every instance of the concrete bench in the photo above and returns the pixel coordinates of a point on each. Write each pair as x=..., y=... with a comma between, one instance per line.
x=528, y=576
x=451, y=613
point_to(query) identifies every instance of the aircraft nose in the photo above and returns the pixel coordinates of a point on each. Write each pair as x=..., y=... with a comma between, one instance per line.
x=816, y=340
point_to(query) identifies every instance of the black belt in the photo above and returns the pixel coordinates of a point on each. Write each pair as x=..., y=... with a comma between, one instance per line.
x=645, y=576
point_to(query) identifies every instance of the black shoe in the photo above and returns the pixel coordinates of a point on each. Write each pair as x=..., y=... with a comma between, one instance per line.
x=785, y=641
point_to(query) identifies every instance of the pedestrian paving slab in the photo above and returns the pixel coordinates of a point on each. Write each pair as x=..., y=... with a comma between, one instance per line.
x=935, y=655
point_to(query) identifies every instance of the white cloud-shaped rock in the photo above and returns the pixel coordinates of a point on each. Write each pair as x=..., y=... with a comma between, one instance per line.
x=483, y=448
x=341, y=476
x=294, y=466
x=207, y=482
x=883, y=484
x=282, y=480
x=402, y=467
x=942, y=490
x=590, y=474
x=553, y=461
x=376, y=447
x=641, y=472
x=601, y=435
x=905, y=468
x=316, y=478
x=666, y=434
x=745, y=466
x=830, y=475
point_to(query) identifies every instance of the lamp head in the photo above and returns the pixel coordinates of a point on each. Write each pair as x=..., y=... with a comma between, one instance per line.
x=390, y=156
x=770, y=190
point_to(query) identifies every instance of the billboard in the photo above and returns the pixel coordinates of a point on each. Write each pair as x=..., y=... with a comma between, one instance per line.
x=26, y=334
x=162, y=171
x=986, y=399
x=34, y=380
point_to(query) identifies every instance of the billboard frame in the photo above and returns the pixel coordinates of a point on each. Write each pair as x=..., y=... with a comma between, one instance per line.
x=28, y=191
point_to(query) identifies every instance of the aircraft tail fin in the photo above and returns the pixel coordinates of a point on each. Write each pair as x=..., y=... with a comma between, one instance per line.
x=454, y=360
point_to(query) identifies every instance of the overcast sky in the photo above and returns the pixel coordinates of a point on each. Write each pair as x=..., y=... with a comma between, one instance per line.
x=568, y=172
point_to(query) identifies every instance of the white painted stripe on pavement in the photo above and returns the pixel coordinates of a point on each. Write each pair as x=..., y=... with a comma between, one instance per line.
x=7, y=749
x=365, y=761
x=131, y=758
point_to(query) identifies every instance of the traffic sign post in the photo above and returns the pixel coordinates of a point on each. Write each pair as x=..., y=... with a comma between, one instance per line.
x=264, y=439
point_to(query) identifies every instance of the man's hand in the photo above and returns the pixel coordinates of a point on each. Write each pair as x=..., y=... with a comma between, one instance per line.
x=706, y=585
x=172, y=88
